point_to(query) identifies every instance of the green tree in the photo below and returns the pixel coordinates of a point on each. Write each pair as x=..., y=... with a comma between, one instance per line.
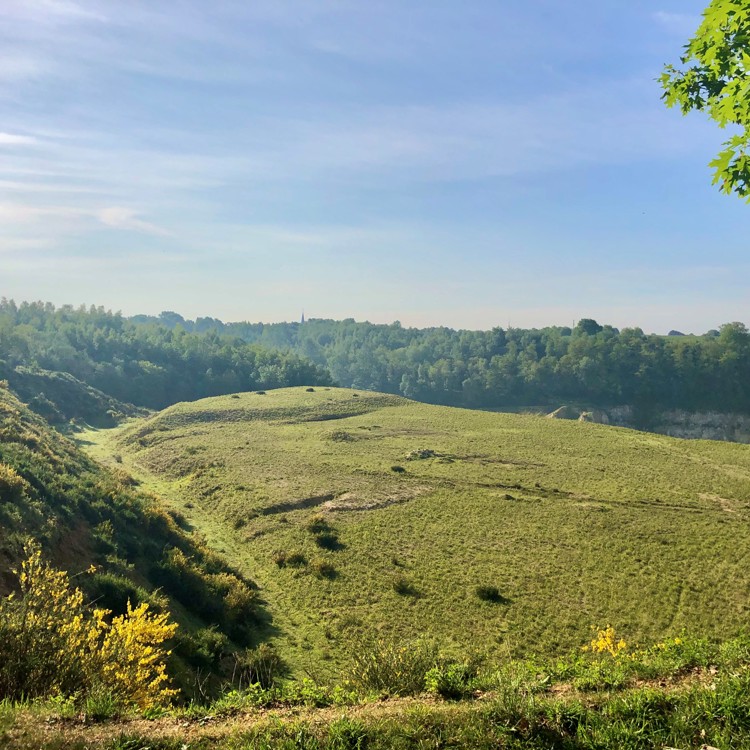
x=714, y=77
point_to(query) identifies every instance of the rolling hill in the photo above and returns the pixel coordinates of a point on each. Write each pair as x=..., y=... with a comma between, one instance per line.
x=360, y=512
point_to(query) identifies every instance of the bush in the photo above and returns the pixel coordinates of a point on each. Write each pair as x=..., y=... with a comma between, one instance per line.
x=261, y=666
x=113, y=592
x=329, y=541
x=323, y=569
x=318, y=524
x=390, y=667
x=404, y=587
x=490, y=594
x=51, y=644
x=205, y=648
x=12, y=485
x=452, y=681
x=289, y=559
x=341, y=436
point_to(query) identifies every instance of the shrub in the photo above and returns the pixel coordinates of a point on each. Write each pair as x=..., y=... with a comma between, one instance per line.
x=421, y=454
x=324, y=569
x=329, y=541
x=52, y=644
x=387, y=666
x=452, y=681
x=490, y=594
x=113, y=592
x=12, y=485
x=318, y=524
x=205, y=648
x=341, y=436
x=262, y=666
x=404, y=587
x=289, y=559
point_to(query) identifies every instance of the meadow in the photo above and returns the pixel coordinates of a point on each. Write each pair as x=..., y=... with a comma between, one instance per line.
x=501, y=535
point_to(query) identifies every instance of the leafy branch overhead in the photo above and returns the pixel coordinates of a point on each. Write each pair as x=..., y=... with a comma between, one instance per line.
x=714, y=77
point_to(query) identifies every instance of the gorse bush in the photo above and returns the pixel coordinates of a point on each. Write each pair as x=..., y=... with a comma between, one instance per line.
x=51, y=643
x=12, y=486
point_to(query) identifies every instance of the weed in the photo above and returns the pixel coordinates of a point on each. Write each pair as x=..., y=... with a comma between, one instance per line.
x=404, y=587
x=451, y=680
x=490, y=594
x=102, y=705
x=261, y=666
x=330, y=541
x=324, y=569
x=391, y=667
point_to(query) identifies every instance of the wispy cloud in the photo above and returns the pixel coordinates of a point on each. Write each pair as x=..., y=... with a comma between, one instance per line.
x=51, y=11
x=13, y=139
x=119, y=217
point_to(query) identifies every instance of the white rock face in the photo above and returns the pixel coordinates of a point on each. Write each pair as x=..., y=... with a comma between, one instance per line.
x=708, y=425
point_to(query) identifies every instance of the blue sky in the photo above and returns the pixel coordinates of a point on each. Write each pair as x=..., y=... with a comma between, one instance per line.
x=470, y=163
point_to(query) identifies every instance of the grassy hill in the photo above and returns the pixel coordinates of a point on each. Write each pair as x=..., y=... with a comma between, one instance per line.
x=501, y=533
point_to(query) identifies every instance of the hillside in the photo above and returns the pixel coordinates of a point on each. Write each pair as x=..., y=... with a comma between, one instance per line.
x=359, y=512
x=84, y=515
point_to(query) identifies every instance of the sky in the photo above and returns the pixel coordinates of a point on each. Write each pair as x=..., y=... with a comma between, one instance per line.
x=465, y=163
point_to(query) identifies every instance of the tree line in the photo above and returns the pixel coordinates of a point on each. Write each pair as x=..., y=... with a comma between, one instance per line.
x=590, y=364
x=149, y=365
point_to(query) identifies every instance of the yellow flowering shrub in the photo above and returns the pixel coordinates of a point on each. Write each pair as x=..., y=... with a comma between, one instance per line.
x=606, y=642
x=51, y=643
x=12, y=484
x=132, y=662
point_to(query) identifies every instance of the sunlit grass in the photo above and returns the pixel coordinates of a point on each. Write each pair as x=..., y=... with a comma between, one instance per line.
x=572, y=523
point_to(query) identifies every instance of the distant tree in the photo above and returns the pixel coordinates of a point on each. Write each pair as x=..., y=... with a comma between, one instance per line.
x=714, y=78
x=171, y=319
x=588, y=326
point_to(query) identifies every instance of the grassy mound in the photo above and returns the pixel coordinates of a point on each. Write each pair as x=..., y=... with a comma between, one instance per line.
x=358, y=512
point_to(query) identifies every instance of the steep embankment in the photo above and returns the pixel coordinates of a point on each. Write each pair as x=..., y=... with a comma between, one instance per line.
x=358, y=511
x=83, y=514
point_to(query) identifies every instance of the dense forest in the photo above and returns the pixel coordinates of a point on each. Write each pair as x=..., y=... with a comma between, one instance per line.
x=86, y=357
x=590, y=364
x=85, y=361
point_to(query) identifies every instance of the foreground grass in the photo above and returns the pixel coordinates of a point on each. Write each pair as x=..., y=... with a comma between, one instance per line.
x=360, y=512
x=682, y=694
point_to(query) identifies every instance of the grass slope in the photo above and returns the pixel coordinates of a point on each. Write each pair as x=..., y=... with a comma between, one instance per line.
x=83, y=514
x=573, y=523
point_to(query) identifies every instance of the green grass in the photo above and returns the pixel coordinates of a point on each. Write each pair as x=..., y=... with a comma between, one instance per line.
x=575, y=524
x=675, y=695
